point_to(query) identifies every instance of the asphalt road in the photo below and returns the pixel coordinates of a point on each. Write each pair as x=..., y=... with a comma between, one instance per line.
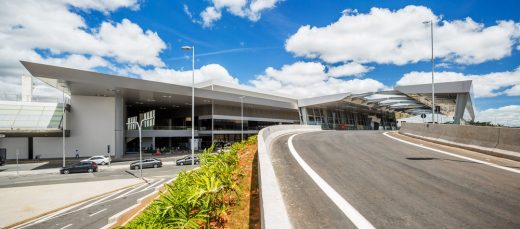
x=392, y=184
x=121, y=172
x=95, y=213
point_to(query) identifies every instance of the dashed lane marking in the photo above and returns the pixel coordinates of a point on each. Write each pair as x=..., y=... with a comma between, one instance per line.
x=95, y=213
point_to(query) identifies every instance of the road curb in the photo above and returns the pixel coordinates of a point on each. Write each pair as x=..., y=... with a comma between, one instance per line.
x=66, y=206
x=272, y=207
x=479, y=149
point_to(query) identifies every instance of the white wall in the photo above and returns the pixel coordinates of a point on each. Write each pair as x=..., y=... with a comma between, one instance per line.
x=48, y=147
x=91, y=123
x=92, y=126
x=12, y=144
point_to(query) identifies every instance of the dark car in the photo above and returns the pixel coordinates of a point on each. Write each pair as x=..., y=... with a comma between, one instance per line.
x=187, y=160
x=147, y=163
x=82, y=167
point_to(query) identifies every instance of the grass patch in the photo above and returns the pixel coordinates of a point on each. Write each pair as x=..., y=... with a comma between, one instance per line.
x=222, y=193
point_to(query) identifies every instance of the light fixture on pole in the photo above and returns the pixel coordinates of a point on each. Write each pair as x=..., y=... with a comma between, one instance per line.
x=139, y=126
x=242, y=117
x=192, y=48
x=433, y=70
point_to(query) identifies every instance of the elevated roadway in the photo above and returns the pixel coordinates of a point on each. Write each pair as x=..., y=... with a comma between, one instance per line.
x=392, y=184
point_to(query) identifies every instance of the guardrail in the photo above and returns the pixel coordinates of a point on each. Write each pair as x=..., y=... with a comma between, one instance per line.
x=496, y=141
x=273, y=211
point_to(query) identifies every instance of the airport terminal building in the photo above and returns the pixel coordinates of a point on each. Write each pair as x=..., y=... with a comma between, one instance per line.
x=100, y=106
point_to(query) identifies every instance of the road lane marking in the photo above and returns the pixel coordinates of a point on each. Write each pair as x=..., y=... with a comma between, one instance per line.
x=102, y=199
x=66, y=226
x=455, y=155
x=95, y=213
x=355, y=217
x=154, y=184
x=130, y=191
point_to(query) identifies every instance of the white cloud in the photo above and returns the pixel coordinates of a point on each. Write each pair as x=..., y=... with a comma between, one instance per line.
x=399, y=37
x=250, y=9
x=349, y=69
x=67, y=40
x=103, y=5
x=209, y=15
x=127, y=42
x=513, y=91
x=205, y=73
x=507, y=115
x=486, y=85
x=308, y=79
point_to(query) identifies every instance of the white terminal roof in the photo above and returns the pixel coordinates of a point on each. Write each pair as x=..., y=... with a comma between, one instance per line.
x=411, y=99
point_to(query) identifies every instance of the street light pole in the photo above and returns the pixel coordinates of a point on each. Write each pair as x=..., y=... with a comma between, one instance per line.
x=433, y=70
x=139, y=125
x=242, y=117
x=192, y=48
x=63, y=125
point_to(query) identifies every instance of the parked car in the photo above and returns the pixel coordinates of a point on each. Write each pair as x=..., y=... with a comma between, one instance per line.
x=187, y=160
x=100, y=160
x=147, y=163
x=88, y=166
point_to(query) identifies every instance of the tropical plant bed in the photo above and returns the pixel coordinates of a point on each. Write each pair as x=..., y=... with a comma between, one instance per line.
x=222, y=193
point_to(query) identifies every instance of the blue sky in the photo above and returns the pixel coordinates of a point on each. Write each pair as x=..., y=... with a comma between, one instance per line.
x=346, y=46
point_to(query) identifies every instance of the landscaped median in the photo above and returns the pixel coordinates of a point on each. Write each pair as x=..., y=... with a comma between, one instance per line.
x=222, y=193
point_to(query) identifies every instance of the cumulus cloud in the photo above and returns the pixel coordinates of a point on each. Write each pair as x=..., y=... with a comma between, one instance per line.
x=507, y=115
x=205, y=73
x=62, y=37
x=349, y=69
x=399, y=37
x=485, y=85
x=308, y=79
x=250, y=9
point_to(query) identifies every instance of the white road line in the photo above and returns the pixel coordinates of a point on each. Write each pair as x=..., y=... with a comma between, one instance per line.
x=95, y=213
x=355, y=217
x=131, y=190
x=455, y=155
x=154, y=184
x=102, y=199
x=66, y=226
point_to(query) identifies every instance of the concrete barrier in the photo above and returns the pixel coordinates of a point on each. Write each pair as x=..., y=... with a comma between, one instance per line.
x=496, y=141
x=273, y=211
x=509, y=139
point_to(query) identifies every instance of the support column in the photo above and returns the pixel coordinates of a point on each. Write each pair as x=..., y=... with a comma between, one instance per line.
x=460, y=106
x=120, y=143
x=304, y=116
x=153, y=144
x=30, y=154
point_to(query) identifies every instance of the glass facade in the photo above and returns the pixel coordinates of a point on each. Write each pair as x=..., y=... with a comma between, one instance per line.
x=350, y=118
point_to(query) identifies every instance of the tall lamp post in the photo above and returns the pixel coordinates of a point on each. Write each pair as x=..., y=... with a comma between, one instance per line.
x=192, y=48
x=242, y=117
x=433, y=70
x=64, y=123
x=139, y=126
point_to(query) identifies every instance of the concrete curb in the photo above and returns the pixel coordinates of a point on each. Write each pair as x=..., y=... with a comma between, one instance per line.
x=272, y=207
x=67, y=206
x=485, y=150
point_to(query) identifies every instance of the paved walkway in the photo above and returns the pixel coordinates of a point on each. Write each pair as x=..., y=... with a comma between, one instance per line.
x=22, y=203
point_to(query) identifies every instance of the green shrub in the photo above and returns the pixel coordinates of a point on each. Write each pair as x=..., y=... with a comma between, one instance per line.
x=200, y=196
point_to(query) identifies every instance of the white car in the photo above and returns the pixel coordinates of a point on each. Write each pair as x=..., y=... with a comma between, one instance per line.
x=100, y=160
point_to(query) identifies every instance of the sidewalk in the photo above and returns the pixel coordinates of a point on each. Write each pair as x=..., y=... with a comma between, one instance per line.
x=22, y=203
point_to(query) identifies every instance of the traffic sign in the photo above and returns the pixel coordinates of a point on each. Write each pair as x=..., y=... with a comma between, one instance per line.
x=423, y=115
